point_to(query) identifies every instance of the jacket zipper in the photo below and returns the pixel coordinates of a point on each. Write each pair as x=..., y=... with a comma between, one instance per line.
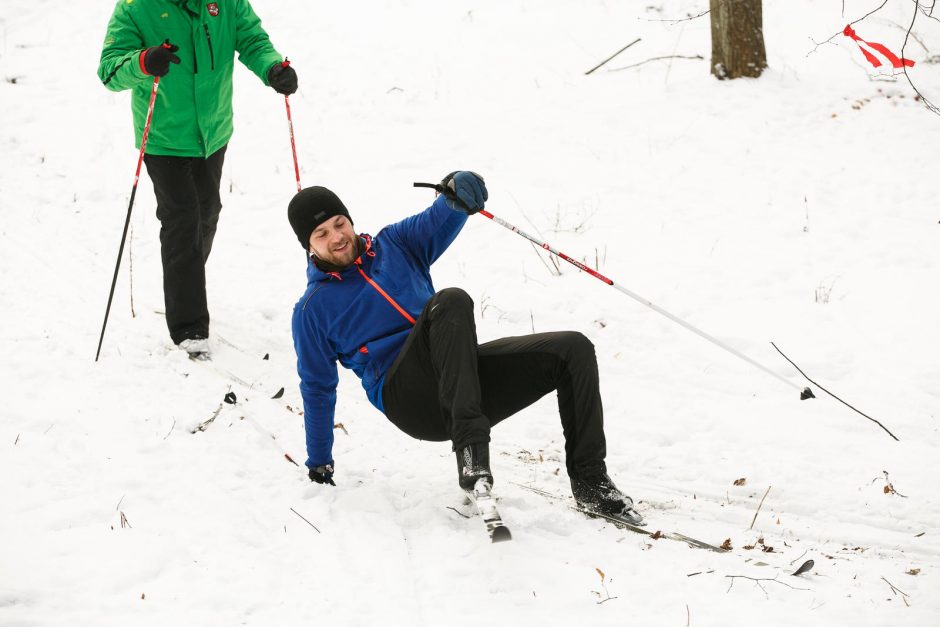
x=379, y=289
x=209, y=43
x=193, y=15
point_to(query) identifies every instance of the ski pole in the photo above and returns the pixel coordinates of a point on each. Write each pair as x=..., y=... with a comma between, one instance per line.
x=290, y=128
x=805, y=392
x=130, y=206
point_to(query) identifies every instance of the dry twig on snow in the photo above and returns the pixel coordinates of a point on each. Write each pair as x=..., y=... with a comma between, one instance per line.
x=757, y=581
x=761, y=504
x=601, y=64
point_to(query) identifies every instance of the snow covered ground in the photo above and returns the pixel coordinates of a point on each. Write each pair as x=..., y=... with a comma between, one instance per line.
x=800, y=208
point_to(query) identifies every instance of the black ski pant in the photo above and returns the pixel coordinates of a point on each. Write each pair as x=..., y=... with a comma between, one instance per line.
x=443, y=386
x=188, y=206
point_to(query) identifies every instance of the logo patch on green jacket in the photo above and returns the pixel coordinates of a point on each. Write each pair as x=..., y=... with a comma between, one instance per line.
x=213, y=8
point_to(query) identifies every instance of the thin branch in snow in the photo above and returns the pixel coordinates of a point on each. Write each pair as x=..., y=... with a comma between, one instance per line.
x=125, y=522
x=171, y=429
x=797, y=559
x=202, y=426
x=688, y=615
x=757, y=581
x=611, y=56
x=604, y=586
x=833, y=395
x=17, y=439
x=556, y=272
x=305, y=520
x=894, y=588
x=761, y=504
x=889, y=488
x=671, y=56
x=459, y=513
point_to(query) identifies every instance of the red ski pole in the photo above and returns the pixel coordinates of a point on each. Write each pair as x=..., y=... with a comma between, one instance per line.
x=804, y=392
x=290, y=128
x=130, y=206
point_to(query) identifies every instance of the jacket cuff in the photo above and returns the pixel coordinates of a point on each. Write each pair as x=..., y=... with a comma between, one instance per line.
x=140, y=60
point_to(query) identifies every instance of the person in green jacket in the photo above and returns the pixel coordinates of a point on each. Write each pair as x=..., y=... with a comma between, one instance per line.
x=191, y=46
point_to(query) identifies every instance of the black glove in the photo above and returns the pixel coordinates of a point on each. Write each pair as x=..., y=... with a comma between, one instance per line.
x=283, y=78
x=156, y=60
x=322, y=474
x=465, y=191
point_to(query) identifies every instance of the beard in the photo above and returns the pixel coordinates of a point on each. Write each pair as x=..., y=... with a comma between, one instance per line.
x=333, y=261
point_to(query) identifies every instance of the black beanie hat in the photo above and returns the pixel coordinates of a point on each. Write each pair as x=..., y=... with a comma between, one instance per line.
x=310, y=208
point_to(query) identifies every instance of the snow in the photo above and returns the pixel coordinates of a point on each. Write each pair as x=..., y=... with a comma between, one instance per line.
x=796, y=208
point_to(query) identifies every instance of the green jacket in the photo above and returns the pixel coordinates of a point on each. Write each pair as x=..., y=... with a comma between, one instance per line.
x=193, y=112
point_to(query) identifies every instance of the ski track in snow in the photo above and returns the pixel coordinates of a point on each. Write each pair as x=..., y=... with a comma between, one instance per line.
x=799, y=208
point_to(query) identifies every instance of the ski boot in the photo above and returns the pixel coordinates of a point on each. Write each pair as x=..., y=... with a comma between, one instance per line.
x=597, y=494
x=473, y=464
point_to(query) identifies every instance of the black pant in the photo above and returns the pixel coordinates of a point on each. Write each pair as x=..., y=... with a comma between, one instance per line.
x=188, y=206
x=443, y=386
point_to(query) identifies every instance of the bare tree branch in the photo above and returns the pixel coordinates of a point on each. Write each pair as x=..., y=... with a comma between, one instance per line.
x=676, y=21
x=927, y=103
x=819, y=43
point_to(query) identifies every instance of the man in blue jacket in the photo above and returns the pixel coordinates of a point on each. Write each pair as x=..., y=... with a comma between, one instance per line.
x=370, y=305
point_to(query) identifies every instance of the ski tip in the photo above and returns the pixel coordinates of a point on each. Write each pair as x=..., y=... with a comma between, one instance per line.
x=501, y=534
x=634, y=518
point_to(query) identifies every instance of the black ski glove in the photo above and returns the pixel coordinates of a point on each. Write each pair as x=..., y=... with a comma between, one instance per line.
x=465, y=191
x=322, y=474
x=156, y=60
x=282, y=78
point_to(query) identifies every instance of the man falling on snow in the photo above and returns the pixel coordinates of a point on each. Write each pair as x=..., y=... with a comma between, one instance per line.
x=371, y=306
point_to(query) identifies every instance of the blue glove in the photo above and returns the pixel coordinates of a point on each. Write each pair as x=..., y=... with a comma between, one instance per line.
x=465, y=191
x=322, y=474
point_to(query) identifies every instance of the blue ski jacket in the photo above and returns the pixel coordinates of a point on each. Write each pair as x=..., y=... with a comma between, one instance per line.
x=344, y=316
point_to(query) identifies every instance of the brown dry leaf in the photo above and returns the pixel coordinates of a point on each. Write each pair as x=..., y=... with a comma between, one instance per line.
x=657, y=535
x=726, y=545
x=767, y=549
x=740, y=481
x=913, y=571
x=887, y=490
x=601, y=573
x=760, y=540
x=748, y=547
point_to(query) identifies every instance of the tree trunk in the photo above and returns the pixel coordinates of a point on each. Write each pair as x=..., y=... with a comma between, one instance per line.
x=737, y=38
